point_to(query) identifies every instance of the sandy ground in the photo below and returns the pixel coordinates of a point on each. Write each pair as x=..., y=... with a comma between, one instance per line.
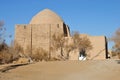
x=65, y=70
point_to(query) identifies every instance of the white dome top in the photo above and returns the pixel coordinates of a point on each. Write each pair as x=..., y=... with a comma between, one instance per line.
x=46, y=16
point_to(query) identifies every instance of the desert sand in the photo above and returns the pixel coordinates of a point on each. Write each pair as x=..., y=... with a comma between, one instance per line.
x=65, y=70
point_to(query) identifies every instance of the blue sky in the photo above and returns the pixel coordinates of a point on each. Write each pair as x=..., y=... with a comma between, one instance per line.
x=94, y=17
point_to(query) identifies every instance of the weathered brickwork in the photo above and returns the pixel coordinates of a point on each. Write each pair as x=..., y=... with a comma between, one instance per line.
x=38, y=34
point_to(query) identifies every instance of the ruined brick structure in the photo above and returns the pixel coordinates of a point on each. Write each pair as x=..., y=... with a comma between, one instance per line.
x=39, y=31
x=99, y=48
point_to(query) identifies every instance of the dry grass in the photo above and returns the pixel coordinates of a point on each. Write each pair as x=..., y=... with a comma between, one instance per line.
x=7, y=54
x=113, y=54
x=5, y=57
x=18, y=48
x=40, y=54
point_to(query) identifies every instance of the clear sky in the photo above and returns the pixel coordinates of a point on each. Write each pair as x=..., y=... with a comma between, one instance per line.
x=94, y=17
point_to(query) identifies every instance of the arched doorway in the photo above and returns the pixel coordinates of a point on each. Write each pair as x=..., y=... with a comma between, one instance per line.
x=82, y=55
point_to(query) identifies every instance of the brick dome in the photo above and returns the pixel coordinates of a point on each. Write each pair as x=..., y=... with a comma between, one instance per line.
x=46, y=17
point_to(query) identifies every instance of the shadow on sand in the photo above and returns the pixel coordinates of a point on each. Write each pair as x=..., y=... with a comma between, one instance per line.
x=7, y=68
x=118, y=61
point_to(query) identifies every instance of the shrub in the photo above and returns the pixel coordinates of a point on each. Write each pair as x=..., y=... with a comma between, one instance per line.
x=119, y=55
x=7, y=54
x=40, y=54
x=5, y=57
x=116, y=39
x=54, y=59
x=113, y=54
x=18, y=48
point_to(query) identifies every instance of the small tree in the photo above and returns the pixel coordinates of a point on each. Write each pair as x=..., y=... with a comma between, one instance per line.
x=59, y=42
x=82, y=44
x=2, y=32
x=116, y=39
x=7, y=53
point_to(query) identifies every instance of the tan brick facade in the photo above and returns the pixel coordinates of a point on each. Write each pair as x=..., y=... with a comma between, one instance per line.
x=39, y=32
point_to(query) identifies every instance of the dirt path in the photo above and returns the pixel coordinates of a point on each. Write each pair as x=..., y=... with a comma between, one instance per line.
x=66, y=70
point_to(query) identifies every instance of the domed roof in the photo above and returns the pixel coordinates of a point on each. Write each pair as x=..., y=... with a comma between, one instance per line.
x=46, y=16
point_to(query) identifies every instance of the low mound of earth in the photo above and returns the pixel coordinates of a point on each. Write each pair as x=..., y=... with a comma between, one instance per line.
x=65, y=70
